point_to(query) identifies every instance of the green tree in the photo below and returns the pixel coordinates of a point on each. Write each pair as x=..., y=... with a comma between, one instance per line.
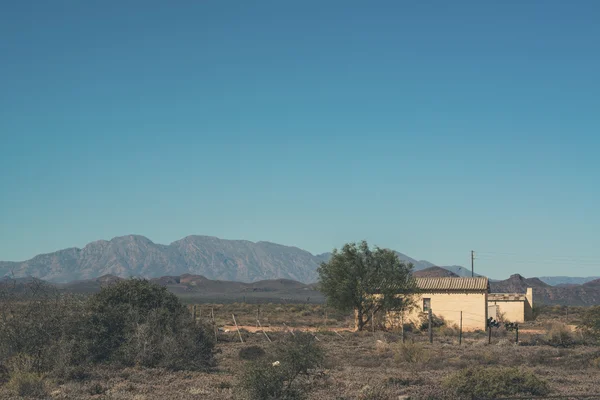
x=367, y=281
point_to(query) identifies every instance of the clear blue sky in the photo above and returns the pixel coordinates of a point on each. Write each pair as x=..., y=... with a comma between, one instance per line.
x=432, y=128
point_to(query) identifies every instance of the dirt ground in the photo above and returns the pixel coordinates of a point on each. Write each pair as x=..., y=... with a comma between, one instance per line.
x=359, y=366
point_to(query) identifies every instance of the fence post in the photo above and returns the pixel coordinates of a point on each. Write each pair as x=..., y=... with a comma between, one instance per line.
x=460, y=332
x=430, y=327
x=372, y=321
x=517, y=335
x=238, y=329
x=489, y=334
x=212, y=316
x=402, y=323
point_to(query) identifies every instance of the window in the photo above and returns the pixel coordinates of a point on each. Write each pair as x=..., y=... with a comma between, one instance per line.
x=426, y=304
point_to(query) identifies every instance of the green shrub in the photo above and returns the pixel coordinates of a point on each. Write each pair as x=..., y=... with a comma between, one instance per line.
x=590, y=322
x=491, y=383
x=136, y=322
x=130, y=322
x=412, y=353
x=251, y=353
x=27, y=384
x=283, y=374
x=559, y=335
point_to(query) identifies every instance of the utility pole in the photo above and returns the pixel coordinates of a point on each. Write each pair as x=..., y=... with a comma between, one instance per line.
x=472, y=263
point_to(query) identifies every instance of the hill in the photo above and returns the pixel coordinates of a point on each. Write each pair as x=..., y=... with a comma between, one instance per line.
x=434, y=272
x=574, y=295
x=567, y=280
x=211, y=257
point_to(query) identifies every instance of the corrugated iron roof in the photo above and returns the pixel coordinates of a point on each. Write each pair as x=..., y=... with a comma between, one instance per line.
x=474, y=284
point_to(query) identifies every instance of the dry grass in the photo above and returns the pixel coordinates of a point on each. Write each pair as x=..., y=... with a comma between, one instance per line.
x=358, y=366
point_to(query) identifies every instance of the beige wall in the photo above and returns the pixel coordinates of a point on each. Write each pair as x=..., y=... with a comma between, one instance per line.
x=449, y=306
x=515, y=310
x=510, y=310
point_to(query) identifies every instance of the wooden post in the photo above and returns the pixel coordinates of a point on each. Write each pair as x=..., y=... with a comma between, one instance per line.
x=402, y=324
x=517, y=335
x=289, y=330
x=372, y=321
x=212, y=316
x=489, y=334
x=194, y=313
x=430, y=327
x=238, y=329
x=265, y=332
x=460, y=331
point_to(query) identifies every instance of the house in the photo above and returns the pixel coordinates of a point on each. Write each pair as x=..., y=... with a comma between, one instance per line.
x=451, y=298
x=511, y=307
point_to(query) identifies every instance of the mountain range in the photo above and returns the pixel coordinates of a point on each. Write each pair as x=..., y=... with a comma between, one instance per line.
x=214, y=258
x=211, y=257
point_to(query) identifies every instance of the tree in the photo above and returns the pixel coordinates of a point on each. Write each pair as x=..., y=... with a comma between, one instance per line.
x=367, y=281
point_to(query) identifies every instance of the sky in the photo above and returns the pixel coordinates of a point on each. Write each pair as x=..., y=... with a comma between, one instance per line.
x=431, y=127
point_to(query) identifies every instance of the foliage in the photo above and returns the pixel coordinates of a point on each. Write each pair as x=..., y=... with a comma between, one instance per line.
x=367, y=281
x=491, y=383
x=251, y=353
x=132, y=322
x=27, y=384
x=559, y=335
x=590, y=324
x=414, y=353
x=138, y=322
x=279, y=376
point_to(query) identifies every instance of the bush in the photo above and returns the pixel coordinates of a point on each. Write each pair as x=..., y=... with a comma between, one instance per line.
x=283, y=374
x=491, y=383
x=27, y=384
x=559, y=335
x=251, y=353
x=590, y=322
x=131, y=322
x=136, y=322
x=412, y=353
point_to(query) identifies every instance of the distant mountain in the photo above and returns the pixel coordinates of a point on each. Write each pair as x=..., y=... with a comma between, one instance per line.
x=567, y=280
x=133, y=255
x=214, y=258
x=574, y=295
x=460, y=271
x=434, y=272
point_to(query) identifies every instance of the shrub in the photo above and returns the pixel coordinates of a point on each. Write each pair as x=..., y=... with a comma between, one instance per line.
x=412, y=353
x=139, y=322
x=590, y=322
x=27, y=384
x=490, y=383
x=559, y=335
x=282, y=374
x=251, y=353
x=131, y=322
x=378, y=392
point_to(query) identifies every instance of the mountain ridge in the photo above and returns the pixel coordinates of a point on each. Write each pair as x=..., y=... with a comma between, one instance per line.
x=210, y=256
